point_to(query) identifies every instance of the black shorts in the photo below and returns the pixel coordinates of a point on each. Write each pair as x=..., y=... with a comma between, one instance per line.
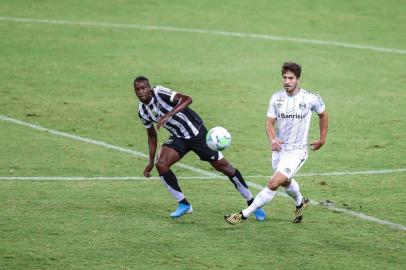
x=196, y=144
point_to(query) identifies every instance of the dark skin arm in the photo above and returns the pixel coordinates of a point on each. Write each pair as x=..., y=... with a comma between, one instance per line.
x=182, y=101
x=152, y=143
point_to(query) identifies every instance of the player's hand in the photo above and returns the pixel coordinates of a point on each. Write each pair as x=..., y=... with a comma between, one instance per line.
x=161, y=121
x=316, y=145
x=276, y=144
x=148, y=169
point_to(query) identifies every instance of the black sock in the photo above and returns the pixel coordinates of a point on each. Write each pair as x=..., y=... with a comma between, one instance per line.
x=170, y=178
x=184, y=201
x=239, y=177
x=241, y=186
x=250, y=201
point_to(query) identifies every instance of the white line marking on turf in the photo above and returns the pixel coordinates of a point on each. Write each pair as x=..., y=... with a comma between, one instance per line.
x=75, y=178
x=204, y=31
x=84, y=178
x=208, y=174
x=341, y=210
x=337, y=173
x=106, y=145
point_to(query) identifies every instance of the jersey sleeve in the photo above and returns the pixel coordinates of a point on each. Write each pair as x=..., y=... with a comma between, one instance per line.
x=271, y=108
x=145, y=121
x=318, y=105
x=165, y=94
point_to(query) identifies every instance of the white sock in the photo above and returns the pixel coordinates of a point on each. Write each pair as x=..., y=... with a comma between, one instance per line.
x=294, y=192
x=262, y=198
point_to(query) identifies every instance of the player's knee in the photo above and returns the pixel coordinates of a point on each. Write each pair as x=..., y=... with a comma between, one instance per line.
x=224, y=167
x=273, y=185
x=162, y=166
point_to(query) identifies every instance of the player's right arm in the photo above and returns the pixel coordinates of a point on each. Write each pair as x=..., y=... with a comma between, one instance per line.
x=182, y=101
x=152, y=144
x=270, y=125
x=270, y=130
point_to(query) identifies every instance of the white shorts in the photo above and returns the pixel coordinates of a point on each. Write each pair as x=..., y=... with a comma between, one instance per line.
x=288, y=162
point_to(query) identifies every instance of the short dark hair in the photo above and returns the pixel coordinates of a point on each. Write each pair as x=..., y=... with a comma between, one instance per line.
x=140, y=78
x=293, y=67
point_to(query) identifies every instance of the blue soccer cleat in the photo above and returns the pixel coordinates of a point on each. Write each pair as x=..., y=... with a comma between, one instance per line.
x=181, y=210
x=260, y=214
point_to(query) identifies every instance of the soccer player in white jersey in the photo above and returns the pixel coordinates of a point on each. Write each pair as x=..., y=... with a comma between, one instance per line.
x=170, y=109
x=290, y=109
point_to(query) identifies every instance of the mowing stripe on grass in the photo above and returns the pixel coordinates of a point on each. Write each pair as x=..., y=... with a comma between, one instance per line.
x=208, y=174
x=254, y=185
x=204, y=31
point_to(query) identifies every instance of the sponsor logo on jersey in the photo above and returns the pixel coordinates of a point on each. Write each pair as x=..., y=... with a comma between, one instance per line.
x=302, y=105
x=293, y=116
x=169, y=141
x=281, y=98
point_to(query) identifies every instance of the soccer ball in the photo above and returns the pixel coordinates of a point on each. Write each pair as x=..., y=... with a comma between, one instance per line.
x=218, y=139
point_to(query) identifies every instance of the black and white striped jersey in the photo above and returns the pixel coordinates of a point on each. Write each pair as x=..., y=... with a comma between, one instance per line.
x=184, y=124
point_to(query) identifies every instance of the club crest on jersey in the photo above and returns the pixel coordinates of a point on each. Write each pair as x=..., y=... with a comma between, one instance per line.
x=154, y=113
x=302, y=105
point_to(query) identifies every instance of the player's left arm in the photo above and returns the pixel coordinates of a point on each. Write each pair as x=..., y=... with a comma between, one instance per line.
x=323, y=125
x=182, y=101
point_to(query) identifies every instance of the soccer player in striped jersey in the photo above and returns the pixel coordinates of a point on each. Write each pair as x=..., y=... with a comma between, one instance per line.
x=290, y=110
x=170, y=109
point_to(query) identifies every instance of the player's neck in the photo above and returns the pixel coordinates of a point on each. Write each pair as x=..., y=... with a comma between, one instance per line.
x=294, y=92
x=148, y=101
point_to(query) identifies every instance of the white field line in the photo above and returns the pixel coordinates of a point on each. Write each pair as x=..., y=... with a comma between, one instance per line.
x=78, y=178
x=203, y=31
x=341, y=210
x=337, y=173
x=106, y=145
x=97, y=178
x=206, y=173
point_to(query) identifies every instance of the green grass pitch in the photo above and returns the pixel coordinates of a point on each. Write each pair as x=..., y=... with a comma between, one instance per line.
x=73, y=71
